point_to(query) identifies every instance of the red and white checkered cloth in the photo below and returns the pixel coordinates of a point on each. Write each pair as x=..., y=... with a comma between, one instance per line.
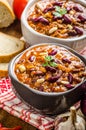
x=14, y=106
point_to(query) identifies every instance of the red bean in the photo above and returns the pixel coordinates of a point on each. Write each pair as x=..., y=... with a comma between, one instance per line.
x=41, y=19
x=41, y=88
x=70, y=78
x=57, y=17
x=65, y=60
x=48, y=9
x=58, y=3
x=78, y=8
x=66, y=19
x=72, y=33
x=69, y=86
x=31, y=59
x=78, y=30
x=53, y=79
x=53, y=52
x=82, y=18
x=51, y=69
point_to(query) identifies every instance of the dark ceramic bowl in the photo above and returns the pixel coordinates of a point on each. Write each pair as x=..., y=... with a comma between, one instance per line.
x=48, y=103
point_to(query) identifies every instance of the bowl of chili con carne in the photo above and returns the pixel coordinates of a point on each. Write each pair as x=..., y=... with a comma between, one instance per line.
x=55, y=21
x=50, y=77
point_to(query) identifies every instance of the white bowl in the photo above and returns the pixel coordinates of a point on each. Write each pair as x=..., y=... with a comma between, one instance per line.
x=32, y=37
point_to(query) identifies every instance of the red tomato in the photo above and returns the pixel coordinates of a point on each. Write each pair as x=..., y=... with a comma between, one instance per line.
x=18, y=7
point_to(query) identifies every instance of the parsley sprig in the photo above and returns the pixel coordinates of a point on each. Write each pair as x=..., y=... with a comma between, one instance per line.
x=59, y=12
x=49, y=61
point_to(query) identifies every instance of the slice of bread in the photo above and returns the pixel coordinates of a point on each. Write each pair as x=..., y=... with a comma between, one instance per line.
x=4, y=69
x=9, y=47
x=6, y=14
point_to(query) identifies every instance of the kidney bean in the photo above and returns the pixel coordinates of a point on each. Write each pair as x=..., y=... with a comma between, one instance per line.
x=82, y=18
x=70, y=78
x=57, y=61
x=69, y=86
x=66, y=19
x=51, y=69
x=41, y=88
x=83, y=104
x=41, y=19
x=78, y=30
x=72, y=33
x=44, y=21
x=48, y=9
x=65, y=60
x=39, y=73
x=53, y=79
x=78, y=8
x=31, y=59
x=58, y=3
x=57, y=17
x=53, y=52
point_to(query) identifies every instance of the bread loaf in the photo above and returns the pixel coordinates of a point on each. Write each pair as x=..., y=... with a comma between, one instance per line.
x=9, y=47
x=6, y=14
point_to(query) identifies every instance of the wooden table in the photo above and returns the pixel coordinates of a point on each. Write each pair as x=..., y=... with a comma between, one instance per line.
x=5, y=118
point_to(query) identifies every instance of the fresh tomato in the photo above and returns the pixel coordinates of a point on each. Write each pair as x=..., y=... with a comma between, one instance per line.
x=18, y=7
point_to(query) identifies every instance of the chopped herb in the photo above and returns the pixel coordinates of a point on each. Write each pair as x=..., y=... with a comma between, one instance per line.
x=53, y=64
x=59, y=11
x=49, y=61
x=57, y=14
x=48, y=58
x=45, y=64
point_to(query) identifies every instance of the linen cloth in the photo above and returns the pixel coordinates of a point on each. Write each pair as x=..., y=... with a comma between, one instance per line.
x=13, y=105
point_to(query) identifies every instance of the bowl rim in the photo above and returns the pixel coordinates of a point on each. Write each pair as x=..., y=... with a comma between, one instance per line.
x=16, y=58
x=24, y=21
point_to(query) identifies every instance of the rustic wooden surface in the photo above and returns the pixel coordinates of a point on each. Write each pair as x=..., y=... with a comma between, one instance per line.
x=6, y=119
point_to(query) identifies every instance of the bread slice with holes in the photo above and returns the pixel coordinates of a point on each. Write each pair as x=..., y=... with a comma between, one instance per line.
x=7, y=16
x=9, y=47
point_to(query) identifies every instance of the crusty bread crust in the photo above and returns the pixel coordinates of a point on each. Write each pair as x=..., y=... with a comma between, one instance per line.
x=4, y=69
x=3, y=73
x=6, y=14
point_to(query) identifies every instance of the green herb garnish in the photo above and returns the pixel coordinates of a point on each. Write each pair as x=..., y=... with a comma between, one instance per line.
x=53, y=64
x=59, y=11
x=48, y=58
x=49, y=61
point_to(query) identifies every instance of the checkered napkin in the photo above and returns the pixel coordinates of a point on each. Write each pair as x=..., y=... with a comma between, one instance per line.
x=14, y=106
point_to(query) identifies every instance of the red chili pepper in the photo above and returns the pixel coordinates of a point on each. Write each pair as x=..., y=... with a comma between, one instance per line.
x=15, y=128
